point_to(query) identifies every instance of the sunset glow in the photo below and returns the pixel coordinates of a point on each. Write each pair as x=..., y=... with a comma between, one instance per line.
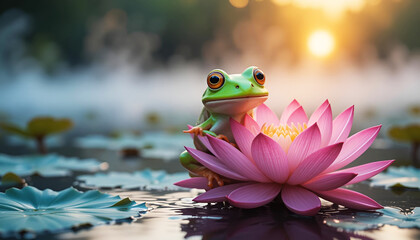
x=321, y=43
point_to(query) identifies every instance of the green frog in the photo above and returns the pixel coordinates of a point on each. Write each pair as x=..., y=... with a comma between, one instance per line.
x=227, y=96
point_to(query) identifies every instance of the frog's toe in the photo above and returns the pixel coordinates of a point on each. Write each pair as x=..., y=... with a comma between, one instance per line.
x=222, y=137
x=195, y=130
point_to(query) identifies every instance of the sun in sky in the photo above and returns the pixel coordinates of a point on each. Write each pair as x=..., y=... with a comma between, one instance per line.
x=321, y=43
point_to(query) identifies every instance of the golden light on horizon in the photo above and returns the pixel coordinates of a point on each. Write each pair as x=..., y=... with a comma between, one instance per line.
x=333, y=8
x=239, y=3
x=321, y=43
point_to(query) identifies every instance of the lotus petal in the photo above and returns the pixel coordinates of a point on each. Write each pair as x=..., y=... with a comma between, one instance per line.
x=243, y=137
x=366, y=171
x=350, y=199
x=195, y=182
x=270, y=158
x=236, y=160
x=323, y=117
x=298, y=116
x=300, y=200
x=264, y=115
x=342, y=126
x=329, y=181
x=251, y=125
x=212, y=163
x=288, y=111
x=254, y=195
x=314, y=164
x=318, y=112
x=218, y=194
x=206, y=143
x=304, y=144
x=354, y=146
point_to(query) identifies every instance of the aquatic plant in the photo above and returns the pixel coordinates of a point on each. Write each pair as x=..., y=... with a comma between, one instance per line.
x=47, y=165
x=33, y=210
x=38, y=129
x=153, y=145
x=407, y=176
x=409, y=134
x=148, y=179
x=293, y=157
x=372, y=220
x=10, y=180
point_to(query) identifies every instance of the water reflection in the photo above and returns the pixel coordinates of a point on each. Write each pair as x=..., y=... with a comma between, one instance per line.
x=271, y=222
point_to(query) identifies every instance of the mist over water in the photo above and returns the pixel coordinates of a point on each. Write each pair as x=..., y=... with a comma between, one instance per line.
x=120, y=91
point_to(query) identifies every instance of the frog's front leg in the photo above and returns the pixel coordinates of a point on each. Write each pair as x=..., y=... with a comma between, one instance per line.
x=196, y=169
x=199, y=129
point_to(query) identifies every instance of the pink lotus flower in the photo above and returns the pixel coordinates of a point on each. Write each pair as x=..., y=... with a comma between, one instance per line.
x=294, y=157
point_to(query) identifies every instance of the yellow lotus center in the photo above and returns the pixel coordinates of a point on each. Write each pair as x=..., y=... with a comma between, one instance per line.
x=284, y=134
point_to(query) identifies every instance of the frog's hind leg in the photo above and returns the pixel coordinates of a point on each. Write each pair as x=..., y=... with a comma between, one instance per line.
x=223, y=137
x=198, y=170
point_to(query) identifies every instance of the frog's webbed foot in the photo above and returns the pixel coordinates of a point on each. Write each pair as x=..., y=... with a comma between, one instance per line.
x=195, y=130
x=211, y=177
x=223, y=137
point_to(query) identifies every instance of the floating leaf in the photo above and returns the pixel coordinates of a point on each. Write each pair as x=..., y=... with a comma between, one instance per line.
x=38, y=128
x=47, y=165
x=409, y=133
x=372, y=220
x=398, y=177
x=159, y=145
x=33, y=210
x=14, y=129
x=10, y=179
x=53, y=141
x=147, y=178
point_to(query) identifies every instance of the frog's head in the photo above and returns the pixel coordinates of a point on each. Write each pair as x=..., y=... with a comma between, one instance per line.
x=236, y=93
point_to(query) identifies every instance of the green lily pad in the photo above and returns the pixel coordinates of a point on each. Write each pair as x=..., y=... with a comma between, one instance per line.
x=372, y=220
x=32, y=210
x=148, y=179
x=10, y=180
x=408, y=177
x=50, y=165
x=39, y=126
x=409, y=133
x=154, y=145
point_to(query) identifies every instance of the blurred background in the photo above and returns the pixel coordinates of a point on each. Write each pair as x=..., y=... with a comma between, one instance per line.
x=143, y=64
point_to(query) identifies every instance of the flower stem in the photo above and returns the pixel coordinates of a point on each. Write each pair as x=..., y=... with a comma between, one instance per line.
x=41, y=145
x=415, y=151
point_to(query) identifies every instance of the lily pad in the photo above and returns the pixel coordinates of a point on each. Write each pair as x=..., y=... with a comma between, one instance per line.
x=373, y=220
x=38, y=129
x=50, y=165
x=408, y=176
x=409, y=133
x=160, y=145
x=148, y=179
x=53, y=141
x=32, y=210
x=11, y=180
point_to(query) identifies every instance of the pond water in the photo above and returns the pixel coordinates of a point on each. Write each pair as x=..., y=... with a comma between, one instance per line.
x=173, y=214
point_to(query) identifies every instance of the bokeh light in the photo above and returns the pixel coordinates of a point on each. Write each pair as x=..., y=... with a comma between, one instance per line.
x=239, y=3
x=321, y=43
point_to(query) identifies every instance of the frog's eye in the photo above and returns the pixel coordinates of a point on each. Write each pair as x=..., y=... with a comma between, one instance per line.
x=215, y=80
x=259, y=76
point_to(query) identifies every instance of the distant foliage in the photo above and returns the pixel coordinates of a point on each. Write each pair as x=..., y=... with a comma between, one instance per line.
x=38, y=129
x=409, y=134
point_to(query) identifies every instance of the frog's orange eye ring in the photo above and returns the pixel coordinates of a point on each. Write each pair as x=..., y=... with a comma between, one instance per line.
x=259, y=76
x=215, y=80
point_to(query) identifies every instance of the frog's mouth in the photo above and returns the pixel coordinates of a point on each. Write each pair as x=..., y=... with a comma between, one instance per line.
x=235, y=105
